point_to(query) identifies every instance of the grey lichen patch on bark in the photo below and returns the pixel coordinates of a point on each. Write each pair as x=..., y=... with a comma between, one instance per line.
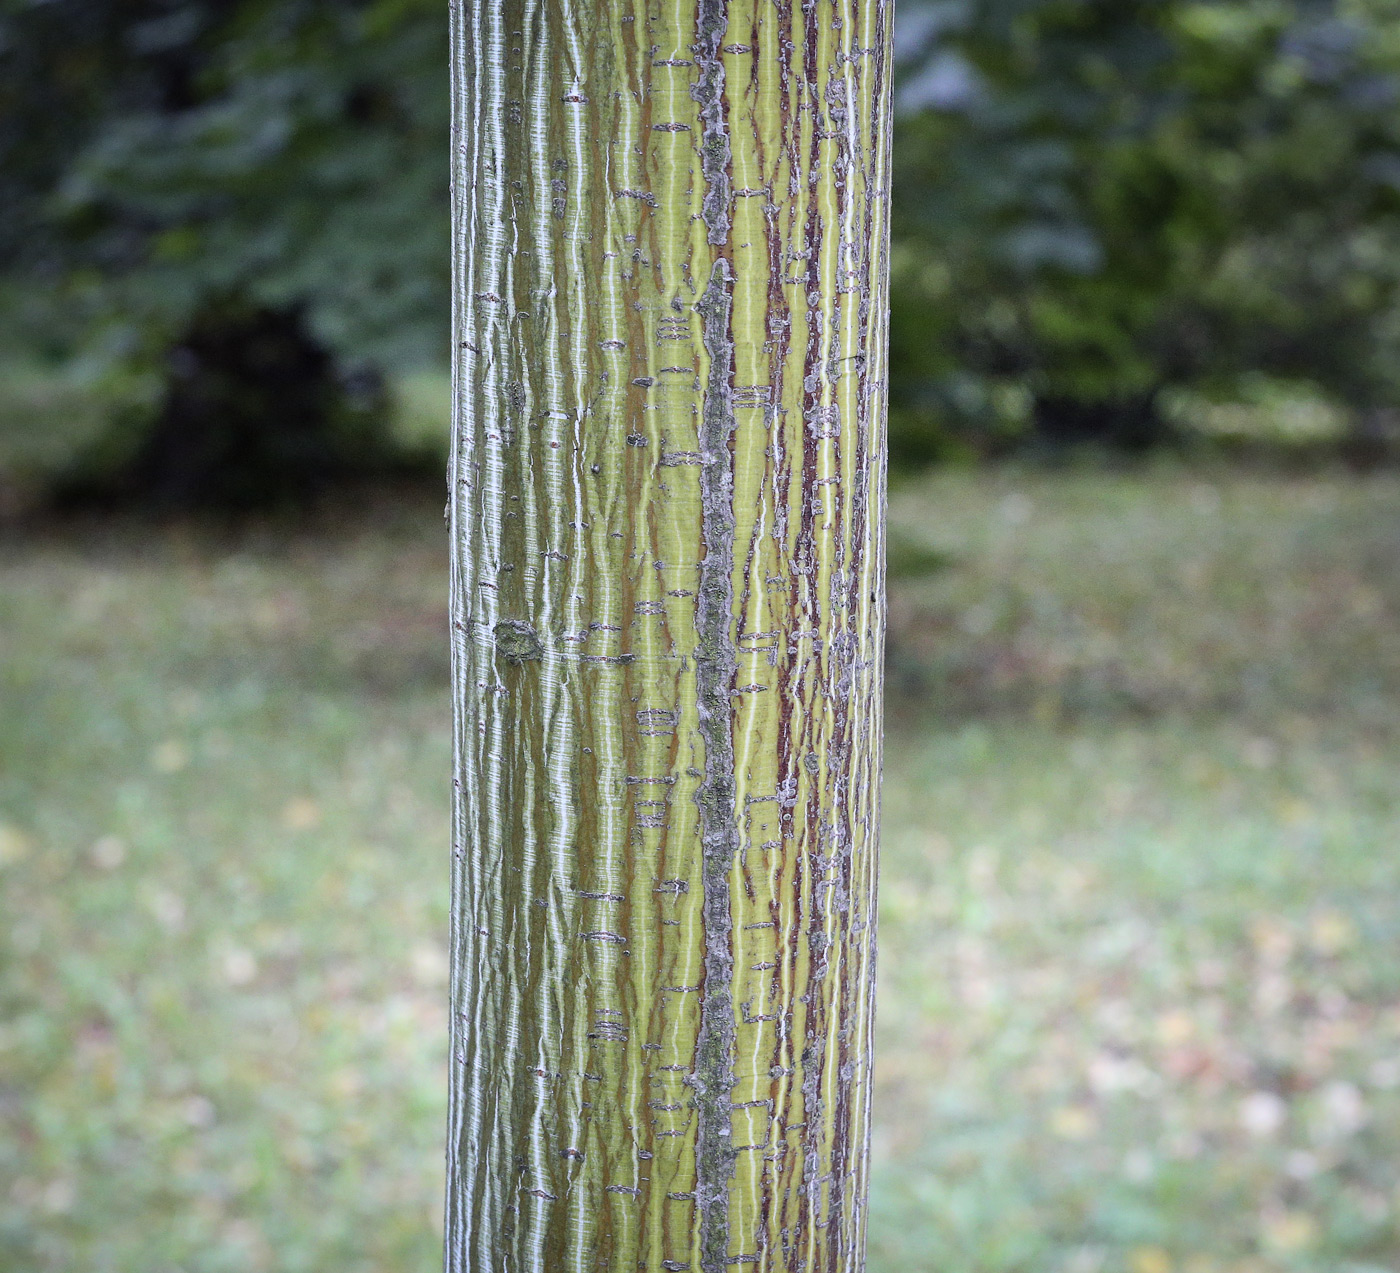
x=517, y=642
x=716, y=663
x=711, y=22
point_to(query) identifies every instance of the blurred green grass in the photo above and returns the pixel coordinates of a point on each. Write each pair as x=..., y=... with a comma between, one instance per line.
x=1140, y=999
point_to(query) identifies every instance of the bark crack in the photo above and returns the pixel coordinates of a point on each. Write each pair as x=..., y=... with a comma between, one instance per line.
x=716, y=665
x=711, y=22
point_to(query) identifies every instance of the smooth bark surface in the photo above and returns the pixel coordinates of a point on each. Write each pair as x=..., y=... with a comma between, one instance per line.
x=668, y=608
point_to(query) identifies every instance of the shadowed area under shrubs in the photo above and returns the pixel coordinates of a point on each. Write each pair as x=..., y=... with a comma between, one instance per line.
x=253, y=413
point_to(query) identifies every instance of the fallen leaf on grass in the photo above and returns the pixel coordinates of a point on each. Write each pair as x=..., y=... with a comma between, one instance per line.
x=239, y=966
x=1174, y=1028
x=1273, y=941
x=14, y=844
x=430, y=965
x=170, y=757
x=1263, y=1113
x=1073, y=1122
x=1149, y=1259
x=168, y=908
x=1331, y=933
x=1289, y=1231
x=1341, y=1111
x=301, y=814
x=108, y=853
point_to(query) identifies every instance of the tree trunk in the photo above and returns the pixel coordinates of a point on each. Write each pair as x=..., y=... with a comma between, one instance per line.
x=668, y=608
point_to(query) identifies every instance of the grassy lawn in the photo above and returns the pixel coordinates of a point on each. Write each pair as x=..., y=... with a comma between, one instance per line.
x=1141, y=899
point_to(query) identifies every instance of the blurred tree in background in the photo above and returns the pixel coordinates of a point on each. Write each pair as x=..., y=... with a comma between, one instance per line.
x=1112, y=212
x=1115, y=221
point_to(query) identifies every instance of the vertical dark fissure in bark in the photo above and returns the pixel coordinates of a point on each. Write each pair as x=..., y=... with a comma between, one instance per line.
x=716, y=663
x=712, y=22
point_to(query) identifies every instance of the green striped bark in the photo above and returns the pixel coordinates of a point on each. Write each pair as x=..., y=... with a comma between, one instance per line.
x=668, y=608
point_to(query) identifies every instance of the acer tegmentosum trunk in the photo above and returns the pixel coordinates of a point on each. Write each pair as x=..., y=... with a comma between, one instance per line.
x=666, y=510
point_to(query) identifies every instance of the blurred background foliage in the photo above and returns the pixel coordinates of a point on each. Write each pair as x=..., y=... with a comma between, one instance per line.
x=1122, y=223
x=1113, y=216
x=206, y=202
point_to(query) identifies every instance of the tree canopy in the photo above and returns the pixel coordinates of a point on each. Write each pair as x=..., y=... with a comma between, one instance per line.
x=1100, y=200
x=1099, y=204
